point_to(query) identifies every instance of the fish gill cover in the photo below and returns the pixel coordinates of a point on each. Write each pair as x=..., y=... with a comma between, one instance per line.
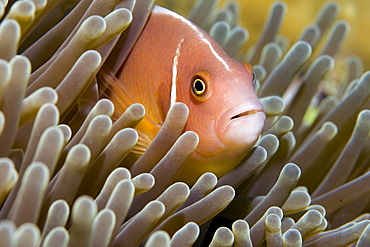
x=63, y=175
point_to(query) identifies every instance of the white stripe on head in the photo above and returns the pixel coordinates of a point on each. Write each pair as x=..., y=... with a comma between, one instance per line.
x=174, y=74
x=196, y=29
x=216, y=54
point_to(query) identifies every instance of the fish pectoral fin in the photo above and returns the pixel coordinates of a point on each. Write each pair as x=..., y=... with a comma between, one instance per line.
x=139, y=149
x=112, y=88
x=142, y=144
x=147, y=129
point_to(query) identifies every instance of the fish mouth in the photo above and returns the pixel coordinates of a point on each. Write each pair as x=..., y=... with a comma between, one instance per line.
x=243, y=121
x=246, y=113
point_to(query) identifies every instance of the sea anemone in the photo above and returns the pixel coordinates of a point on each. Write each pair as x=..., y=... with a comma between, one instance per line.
x=63, y=176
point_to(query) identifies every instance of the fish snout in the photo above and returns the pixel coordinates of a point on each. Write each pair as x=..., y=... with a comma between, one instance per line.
x=240, y=125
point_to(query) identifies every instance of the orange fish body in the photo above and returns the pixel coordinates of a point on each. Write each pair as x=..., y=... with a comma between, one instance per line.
x=172, y=61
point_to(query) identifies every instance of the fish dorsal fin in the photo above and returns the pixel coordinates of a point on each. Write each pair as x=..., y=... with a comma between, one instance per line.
x=112, y=88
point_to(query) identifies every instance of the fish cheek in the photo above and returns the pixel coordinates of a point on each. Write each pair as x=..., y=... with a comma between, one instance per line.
x=202, y=121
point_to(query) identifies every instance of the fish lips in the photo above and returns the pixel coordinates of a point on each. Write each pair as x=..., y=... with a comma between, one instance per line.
x=242, y=123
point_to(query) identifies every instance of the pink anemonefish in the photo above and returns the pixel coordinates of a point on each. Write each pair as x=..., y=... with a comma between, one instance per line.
x=173, y=60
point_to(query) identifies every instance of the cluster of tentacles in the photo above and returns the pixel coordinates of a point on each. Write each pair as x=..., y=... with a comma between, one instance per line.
x=63, y=180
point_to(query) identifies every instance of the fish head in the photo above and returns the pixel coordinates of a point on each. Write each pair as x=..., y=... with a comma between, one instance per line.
x=224, y=110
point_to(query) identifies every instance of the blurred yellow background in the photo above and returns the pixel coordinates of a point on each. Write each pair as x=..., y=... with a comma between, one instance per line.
x=300, y=13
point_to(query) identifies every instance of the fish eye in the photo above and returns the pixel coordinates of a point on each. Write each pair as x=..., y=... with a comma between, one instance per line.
x=199, y=87
x=254, y=76
x=254, y=79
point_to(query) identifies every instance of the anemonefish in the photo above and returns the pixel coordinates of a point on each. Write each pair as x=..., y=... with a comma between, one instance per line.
x=173, y=60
